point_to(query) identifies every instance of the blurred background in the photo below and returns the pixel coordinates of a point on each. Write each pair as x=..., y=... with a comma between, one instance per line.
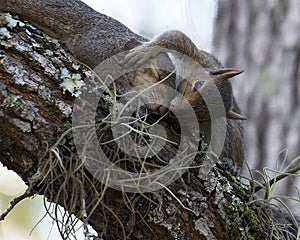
x=261, y=37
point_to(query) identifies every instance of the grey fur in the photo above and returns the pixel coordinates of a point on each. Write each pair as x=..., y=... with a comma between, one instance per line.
x=91, y=36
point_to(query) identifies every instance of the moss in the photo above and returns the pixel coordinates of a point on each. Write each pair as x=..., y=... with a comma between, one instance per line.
x=253, y=219
x=244, y=222
x=53, y=110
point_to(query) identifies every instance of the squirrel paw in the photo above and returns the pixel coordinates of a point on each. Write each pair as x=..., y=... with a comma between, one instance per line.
x=139, y=56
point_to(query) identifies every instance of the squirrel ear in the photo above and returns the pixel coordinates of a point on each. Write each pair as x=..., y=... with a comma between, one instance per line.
x=225, y=73
x=234, y=115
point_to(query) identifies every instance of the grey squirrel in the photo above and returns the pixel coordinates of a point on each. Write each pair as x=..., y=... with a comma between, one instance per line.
x=94, y=37
x=203, y=71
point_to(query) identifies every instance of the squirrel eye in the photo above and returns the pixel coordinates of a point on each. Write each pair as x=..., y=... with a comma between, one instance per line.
x=197, y=85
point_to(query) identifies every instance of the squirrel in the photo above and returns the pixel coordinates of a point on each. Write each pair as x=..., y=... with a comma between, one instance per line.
x=203, y=71
x=94, y=37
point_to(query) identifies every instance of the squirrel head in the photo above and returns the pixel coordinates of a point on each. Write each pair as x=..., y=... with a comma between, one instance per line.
x=156, y=97
x=202, y=87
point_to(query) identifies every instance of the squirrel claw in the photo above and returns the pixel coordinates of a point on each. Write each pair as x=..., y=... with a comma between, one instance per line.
x=139, y=56
x=136, y=58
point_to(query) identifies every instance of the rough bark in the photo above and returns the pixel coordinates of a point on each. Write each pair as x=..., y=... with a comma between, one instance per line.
x=205, y=203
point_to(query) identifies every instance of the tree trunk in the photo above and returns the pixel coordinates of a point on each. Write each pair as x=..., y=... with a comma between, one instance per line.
x=263, y=38
x=40, y=82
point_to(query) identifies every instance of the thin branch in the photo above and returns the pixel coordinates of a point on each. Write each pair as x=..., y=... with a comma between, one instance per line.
x=15, y=201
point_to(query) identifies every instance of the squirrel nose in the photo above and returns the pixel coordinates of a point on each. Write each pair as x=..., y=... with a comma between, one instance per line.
x=162, y=109
x=157, y=109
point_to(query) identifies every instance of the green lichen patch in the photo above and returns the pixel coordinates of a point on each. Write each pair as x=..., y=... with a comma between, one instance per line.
x=244, y=222
x=4, y=33
x=12, y=22
x=203, y=225
x=64, y=108
x=11, y=101
x=242, y=219
x=71, y=82
x=24, y=126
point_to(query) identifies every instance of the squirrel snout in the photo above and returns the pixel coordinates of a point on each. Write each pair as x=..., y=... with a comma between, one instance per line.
x=162, y=109
x=158, y=109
